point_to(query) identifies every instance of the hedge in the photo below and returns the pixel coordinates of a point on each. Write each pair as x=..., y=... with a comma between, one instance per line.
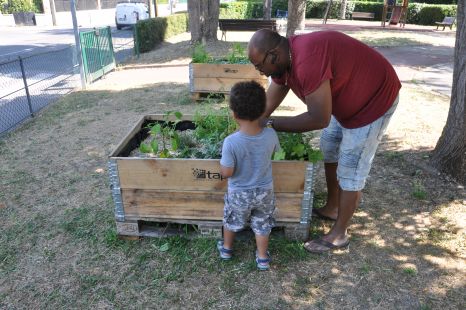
x=418, y=13
x=150, y=32
x=13, y=6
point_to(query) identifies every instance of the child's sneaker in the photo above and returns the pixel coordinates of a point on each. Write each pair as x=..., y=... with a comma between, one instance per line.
x=263, y=263
x=225, y=254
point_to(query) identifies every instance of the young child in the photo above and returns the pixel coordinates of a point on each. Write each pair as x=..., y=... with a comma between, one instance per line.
x=247, y=163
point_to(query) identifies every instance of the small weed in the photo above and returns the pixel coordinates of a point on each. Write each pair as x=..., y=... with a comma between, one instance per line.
x=410, y=271
x=365, y=268
x=319, y=200
x=392, y=155
x=200, y=54
x=424, y=307
x=419, y=191
x=437, y=235
x=89, y=281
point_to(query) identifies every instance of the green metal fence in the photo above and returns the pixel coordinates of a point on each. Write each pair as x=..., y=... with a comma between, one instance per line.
x=97, y=53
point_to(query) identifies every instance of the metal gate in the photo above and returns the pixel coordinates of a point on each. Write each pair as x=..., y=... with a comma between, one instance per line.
x=97, y=53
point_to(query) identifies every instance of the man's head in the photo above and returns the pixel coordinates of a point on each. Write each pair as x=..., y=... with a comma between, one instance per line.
x=268, y=52
x=247, y=100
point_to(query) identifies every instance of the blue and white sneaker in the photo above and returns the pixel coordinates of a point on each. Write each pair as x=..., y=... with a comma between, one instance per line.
x=225, y=254
x=263, y=263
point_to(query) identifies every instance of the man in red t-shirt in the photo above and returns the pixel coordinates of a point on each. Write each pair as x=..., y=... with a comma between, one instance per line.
x=350, y=90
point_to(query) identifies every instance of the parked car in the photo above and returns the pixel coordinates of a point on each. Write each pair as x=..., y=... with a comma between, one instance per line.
x=128, y=13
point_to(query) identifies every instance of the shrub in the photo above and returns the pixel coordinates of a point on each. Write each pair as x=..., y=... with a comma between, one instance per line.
x=373, y=7
x=418, y=13
x=236, y=10
x=153, y=31
x=15, y=6
x=430, y=14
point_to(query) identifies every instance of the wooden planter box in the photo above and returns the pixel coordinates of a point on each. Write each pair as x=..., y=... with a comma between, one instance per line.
x=219, y=78
x=191, y=191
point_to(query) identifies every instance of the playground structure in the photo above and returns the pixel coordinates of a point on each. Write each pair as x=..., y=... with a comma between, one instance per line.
x=394, y=12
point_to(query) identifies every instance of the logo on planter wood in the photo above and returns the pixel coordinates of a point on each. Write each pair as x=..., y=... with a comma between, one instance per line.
x=206, y=174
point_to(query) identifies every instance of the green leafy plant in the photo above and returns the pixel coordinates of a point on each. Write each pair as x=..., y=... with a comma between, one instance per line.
x=170, y=139
x=200, y=55
x=16, y=6
x=296, y=146
x=237, y=54
x=212, y=126
x=419, y=190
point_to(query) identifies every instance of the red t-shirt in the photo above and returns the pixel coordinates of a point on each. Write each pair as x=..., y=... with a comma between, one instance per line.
x=363, y=83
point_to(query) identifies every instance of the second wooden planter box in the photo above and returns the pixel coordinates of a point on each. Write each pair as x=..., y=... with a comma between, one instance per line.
x=191, y=191
x=219, y=78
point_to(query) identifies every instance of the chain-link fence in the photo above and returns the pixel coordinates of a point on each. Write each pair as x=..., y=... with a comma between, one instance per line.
x=27, y=84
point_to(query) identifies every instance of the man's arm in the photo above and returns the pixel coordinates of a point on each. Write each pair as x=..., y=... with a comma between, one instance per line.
x=275, y=95
x=319, y=111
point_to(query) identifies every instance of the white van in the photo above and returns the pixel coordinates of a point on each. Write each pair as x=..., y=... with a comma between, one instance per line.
x=128, y=13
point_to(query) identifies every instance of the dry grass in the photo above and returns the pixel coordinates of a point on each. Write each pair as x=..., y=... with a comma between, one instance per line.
x=58, y=245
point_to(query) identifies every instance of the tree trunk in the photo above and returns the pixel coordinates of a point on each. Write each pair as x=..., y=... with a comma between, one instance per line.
x=449, y=155
x=296, y=15
x=343, y=9
x=268, y=9
x=203, y=20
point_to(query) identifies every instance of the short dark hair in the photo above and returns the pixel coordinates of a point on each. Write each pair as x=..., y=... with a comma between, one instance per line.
x=247, y=100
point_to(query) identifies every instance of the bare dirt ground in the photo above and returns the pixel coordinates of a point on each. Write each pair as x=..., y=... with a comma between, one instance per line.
x=59, y=248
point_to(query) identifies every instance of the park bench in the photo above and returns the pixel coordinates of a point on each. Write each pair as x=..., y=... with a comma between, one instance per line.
x=448, y=21
x=281, y=14
x=245, y=25
x=362, y=15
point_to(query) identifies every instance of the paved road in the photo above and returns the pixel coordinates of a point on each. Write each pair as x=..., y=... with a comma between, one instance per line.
x=428, y=66
x=32, y=40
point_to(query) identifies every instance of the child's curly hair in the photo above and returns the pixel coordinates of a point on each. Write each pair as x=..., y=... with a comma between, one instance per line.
x=247, y=100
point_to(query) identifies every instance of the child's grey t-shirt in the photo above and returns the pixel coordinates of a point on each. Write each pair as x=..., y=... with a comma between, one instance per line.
x=251, y=157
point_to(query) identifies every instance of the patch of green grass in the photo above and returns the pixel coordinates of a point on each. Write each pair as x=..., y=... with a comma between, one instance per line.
x=365, y=268
x=424, y=307
x=285, y=251
x=85, y=223
x=88, y=282
x=437, y=235
x=20, y=233
x=419, y=191
x=410, y=271
x=392, y=155
x=76, y=101
x=319, y=200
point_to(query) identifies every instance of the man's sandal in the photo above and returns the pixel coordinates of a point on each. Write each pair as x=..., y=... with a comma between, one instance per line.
x=225, y=254
x=327, y=246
